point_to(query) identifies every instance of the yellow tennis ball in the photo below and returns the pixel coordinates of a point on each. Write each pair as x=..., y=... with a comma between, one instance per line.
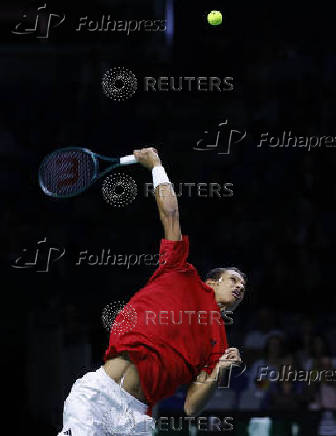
x=215, y=18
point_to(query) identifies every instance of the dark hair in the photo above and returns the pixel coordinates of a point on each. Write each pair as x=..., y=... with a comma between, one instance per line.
x=216, y=273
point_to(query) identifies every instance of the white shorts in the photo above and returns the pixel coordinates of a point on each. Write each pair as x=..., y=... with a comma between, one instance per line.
x=98, y=406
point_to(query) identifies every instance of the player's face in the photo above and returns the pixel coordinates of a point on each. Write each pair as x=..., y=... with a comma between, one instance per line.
x=229, y=289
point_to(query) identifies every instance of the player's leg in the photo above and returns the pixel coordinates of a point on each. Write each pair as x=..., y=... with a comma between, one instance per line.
x=81, y=414
x=97, y=406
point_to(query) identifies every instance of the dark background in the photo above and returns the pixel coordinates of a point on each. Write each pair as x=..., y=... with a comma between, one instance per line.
x=279, y=226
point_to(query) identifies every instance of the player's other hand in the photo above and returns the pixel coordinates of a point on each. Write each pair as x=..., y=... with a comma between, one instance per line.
x=230, y=357
x=148, y=157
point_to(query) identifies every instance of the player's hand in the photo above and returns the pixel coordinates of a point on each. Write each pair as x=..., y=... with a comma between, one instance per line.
x=230, y=357
x=148, y=157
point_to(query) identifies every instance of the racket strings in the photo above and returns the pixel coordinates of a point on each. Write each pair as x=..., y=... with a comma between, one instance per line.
x=67, y=172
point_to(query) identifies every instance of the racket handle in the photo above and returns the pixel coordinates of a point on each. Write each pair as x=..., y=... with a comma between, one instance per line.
x=127, y=160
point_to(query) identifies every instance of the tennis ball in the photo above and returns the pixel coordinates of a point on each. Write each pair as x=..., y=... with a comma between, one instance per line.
x=215, y=18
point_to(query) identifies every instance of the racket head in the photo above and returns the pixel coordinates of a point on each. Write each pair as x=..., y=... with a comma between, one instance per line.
x=66, y=172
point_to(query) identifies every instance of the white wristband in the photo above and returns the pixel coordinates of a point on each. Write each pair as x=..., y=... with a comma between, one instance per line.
x=159, y=176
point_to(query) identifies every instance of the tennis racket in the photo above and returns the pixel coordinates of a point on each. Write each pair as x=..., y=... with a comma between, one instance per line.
x=67, y=172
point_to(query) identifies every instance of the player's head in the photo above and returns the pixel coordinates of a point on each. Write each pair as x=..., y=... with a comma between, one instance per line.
x=229, y=286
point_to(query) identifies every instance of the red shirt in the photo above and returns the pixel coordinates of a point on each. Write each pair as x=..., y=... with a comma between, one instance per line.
x=178, y=330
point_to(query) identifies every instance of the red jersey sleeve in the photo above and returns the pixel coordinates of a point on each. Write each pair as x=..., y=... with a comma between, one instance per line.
x=212, y=362
x=216, y=354
x=173, y=256
x=174, y=253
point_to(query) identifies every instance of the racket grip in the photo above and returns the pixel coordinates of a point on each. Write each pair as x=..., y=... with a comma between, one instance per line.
x=127, y=160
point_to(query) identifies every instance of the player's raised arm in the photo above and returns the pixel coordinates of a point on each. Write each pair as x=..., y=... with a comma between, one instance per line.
x=165, y=196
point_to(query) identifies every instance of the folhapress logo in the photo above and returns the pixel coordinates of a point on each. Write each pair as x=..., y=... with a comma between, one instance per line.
x=40, y=258
x=39, y=23
x=43, y=22
x=107, y=24
x=120, y=84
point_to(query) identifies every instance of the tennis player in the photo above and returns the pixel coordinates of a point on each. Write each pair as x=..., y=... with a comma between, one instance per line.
x=178, y=338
